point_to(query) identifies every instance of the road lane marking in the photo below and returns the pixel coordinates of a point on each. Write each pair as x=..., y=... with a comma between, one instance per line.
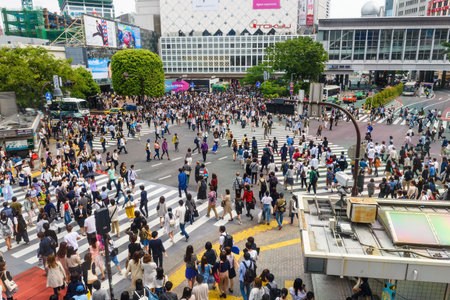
x=207, y=163
x=158, y=164
x=165, y=177
x=176, y=158
x=223, y=157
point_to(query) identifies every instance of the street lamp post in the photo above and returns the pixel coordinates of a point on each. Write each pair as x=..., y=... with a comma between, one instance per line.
x=358, y=144
x=141, y=78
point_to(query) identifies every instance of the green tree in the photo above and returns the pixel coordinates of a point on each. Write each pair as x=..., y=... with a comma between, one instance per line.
x=447, y=46
x=83, y=84
x=256, y=73
x=145, y=70
x=271, y=89
x=300, y=58
x=29, y=73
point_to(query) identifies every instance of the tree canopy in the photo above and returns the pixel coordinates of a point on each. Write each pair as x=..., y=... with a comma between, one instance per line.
x=27, y=70
x=139, y=64
x=256, y=73
x=447, y=46
x=302, y=58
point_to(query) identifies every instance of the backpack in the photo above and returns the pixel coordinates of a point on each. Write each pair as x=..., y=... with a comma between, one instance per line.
x=250, y=274
x=187, y=216
x=228, y=241
x=21, y=225
x=377, y=162
x=246, y=155
x=53, y=243
x=314, y=177
x=143, y=235
x=6, y=230
x=53, y=215
x=274, y=293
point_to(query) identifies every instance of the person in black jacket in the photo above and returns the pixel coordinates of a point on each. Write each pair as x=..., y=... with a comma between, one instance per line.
x=74, y=284
x=210, y=254
x=80, y=216
x=45, y=248
x=52, y=234
x=156, y=249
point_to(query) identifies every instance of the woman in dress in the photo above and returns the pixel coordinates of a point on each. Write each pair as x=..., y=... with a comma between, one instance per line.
x=135, y=268
x=149, y=268
x=226, y=204
x=191, y=265
x=169, y=224
x=205, y=270
x=161, y=210
x=6, y=229
x=56, y=275
x=61, y=257
x=129, y=206
x=96, y=251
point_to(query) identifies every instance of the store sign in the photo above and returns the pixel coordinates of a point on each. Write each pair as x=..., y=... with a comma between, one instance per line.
x=266, y=4
x=205, y=5
x=255, y=25
x=302, y=4
x=310, y=13
x=19, y=145
x=25, y=132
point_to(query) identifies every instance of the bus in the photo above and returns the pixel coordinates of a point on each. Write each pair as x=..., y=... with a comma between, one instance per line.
x=331, y=90
x=69, y=107
x=409, y=88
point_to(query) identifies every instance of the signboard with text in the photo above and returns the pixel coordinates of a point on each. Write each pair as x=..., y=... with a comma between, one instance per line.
x=302, y=4
x=266, y=4
x=310, y=13
x=205, y=5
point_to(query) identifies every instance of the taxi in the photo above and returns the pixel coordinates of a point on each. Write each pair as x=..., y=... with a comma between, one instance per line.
x=114, y=110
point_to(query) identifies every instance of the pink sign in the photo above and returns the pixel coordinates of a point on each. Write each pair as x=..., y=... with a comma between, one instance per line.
x=266, y=4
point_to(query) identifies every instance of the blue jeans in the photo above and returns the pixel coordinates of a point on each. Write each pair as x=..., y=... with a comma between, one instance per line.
x=183, y=231
x=245, y=290
x=279, y=216
x=266, y=209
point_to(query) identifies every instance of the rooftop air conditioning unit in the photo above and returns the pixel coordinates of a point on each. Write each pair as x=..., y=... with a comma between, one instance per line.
x=362, y=210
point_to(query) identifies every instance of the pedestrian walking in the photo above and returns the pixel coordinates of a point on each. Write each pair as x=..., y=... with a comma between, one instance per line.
x=181, y=213
x=191, y=262
x=182, y=182
x=176, y=142
x=249, y=200
x=280, y=208
x=161, y=210
x=212, y=198
x=56, y=276
x=169, y=224
x=226, y=204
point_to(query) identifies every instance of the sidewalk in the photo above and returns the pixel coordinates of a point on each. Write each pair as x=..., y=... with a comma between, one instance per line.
x=280, y=253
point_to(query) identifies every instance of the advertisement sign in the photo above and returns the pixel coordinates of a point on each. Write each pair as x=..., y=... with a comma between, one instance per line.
x=129, y=36
x=19, y=145
x=266, y=4
x=204, y=5
x=100, y=68
x=302, y=12
x=176, y=86
x=99, y=32
x=310, y=13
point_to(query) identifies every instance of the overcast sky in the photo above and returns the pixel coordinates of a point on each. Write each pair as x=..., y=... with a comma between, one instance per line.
x=339, y=8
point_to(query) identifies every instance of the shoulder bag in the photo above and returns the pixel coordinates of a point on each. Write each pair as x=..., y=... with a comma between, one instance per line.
x=91, y=276
x=10, y=285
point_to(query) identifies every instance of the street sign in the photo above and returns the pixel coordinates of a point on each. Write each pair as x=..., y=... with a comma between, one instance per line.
x=55, y=81
x=291, y=88
x=48, y=96
x=192, y=84
x=266, y=76
x=49, y=102
x=258, y=84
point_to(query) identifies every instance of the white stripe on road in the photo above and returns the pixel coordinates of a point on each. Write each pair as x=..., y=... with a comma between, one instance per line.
x=223, y=157
x=165, y=177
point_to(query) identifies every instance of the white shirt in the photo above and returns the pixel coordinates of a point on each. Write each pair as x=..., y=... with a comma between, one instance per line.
x=371, y=153
x=266, y=200
x=72, y=239
x=89, y=223
x=200, y=291
x=314, y=163
x=180, y=212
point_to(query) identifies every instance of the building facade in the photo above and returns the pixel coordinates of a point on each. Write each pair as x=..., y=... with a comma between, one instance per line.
x=408, y=43
x=438, y=8
x=411, y=8
x=75, y=8
x=148, y=15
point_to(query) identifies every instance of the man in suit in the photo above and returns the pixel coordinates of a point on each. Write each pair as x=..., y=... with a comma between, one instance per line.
x=80, y=216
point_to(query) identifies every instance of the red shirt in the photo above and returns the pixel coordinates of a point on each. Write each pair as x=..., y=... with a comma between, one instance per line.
x=248, y=196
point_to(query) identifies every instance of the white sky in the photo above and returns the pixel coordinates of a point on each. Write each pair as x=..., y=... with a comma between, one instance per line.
x=338, y=9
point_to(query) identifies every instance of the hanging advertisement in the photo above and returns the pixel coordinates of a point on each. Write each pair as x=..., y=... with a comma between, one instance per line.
x=310, y=13
x=99, y=32
x=129, y=36
x=205, y=5
x=100, y=68
x=176, y=86
x=19, y=145
x=302, y=12
x=266, y=4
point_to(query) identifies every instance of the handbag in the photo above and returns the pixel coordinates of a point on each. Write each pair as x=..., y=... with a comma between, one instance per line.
x=216, y=274
x=129, y=204
x=90, y=276
x=196, y=214
x=10, y=285
x=114, y=252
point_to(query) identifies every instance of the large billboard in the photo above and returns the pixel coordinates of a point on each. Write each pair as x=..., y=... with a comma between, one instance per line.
x=266, y=4
x=129, y=36
x=204, y=5
x=100, y=68
x=310, y=13
x=302, y=12
x=100, y=32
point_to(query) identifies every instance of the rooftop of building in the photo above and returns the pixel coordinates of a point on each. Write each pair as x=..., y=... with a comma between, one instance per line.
x=406, y=240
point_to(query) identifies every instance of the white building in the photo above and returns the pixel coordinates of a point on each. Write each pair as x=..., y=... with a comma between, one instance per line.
x=411, y=8
x=148, y=15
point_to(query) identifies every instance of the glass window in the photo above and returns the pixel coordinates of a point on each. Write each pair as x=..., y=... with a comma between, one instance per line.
x=360, y=44
x=385, y=44
x=412, y=38
x=372, y=44
x=426, y=39
x=440, y=35
x=397, y=44
x=335, y=45
x=347, y=45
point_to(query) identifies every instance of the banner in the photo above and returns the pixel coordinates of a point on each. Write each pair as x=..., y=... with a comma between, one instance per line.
x=204, y=5
x=100, y=68
x=302, y=12
x=19, y=145
x=176, y=86
x=129, y=36
x=99, y=32
x=266, y=4
x=310, y=13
